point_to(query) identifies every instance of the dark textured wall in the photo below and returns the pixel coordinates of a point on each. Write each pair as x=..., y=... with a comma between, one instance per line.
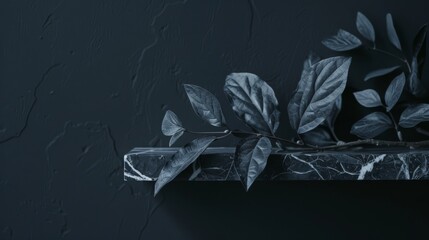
x=83, y=82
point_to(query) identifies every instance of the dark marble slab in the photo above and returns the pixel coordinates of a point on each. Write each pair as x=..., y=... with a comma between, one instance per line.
x=216, y=164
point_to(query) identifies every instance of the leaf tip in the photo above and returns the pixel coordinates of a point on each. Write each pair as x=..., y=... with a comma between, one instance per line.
x=248, y=185
x=156, y=189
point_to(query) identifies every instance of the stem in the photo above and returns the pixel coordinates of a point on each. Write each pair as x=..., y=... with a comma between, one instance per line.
x=378, y=143
x=402, y=59
x=398, y=133
x=207, y=133
x=274, y=138
x=303, y=146
x=224, y=136
x=229, y=132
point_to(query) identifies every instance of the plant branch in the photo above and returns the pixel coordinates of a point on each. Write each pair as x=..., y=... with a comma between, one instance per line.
x=206, y=133
x=378, y=143
x=303, y=146
x=224, y=136
x=402, y=59
x=229, y=132
x=273, y=138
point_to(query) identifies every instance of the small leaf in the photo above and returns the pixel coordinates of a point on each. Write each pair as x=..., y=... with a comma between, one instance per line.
x=329, y=78
x=380, y=72
x=171, y=124
x=303, y=93
x=174, y=138
x=253, y=101
x=251, y=157
x=368, y=98
x=391, y=32
x=181, y=160
x=205, y=105
x=371, y=125
x=336, y=109
x=394, y=91
x=414, y=115
x=319, y=136
x=343, y=41
x=419, y=57
x=364, y=26
x=419, y=44
x=415, y=86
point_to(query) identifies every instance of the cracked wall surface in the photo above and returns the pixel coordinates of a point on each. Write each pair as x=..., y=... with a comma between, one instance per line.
x=84, y=82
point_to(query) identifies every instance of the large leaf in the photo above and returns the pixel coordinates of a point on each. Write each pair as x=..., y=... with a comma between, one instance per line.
x=368, y=98
x=181, y=160
x=303, y=93
x=253, y=101
x=371, y=125
x=414, y=115
x=380, y=72
x=343, y=41
x=394, y=91
x=250, y=159
x=319, y=136
x=205, y=105
x=364, y=26
x=391, y=32
x=419, y=57
x=171, y=124
x=329, y=77
x=336, y=109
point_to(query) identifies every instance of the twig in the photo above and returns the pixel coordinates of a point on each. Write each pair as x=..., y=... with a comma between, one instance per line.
x=404, y=60
x=347, y=145
x=206, y=133
x=378, y=143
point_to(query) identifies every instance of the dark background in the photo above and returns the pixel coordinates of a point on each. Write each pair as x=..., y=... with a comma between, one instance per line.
x=83, y=82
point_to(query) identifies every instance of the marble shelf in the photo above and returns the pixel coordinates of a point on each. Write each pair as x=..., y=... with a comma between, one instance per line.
x=216, y=164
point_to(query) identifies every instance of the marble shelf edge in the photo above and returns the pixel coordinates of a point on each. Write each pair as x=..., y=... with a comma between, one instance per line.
x=216, y=164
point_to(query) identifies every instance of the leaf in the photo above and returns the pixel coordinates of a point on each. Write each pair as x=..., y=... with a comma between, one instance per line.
x=414, y=115
x=364, y=26
x=302, y=95
x=205, y=105
x=251, y=157
x=343, y=41
x=380, y=72
x=240, y=134
x=171, y=124
x=253, y=101
x=415, y=86
x=371, y=125
x=181, y=160
x=419, y=46
x=368, y=98
x=336, y=109
x=319, y=136
x=394, y=91
x=175, y=137
x=329, y=78
x=391, y=32
x=419, y=57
